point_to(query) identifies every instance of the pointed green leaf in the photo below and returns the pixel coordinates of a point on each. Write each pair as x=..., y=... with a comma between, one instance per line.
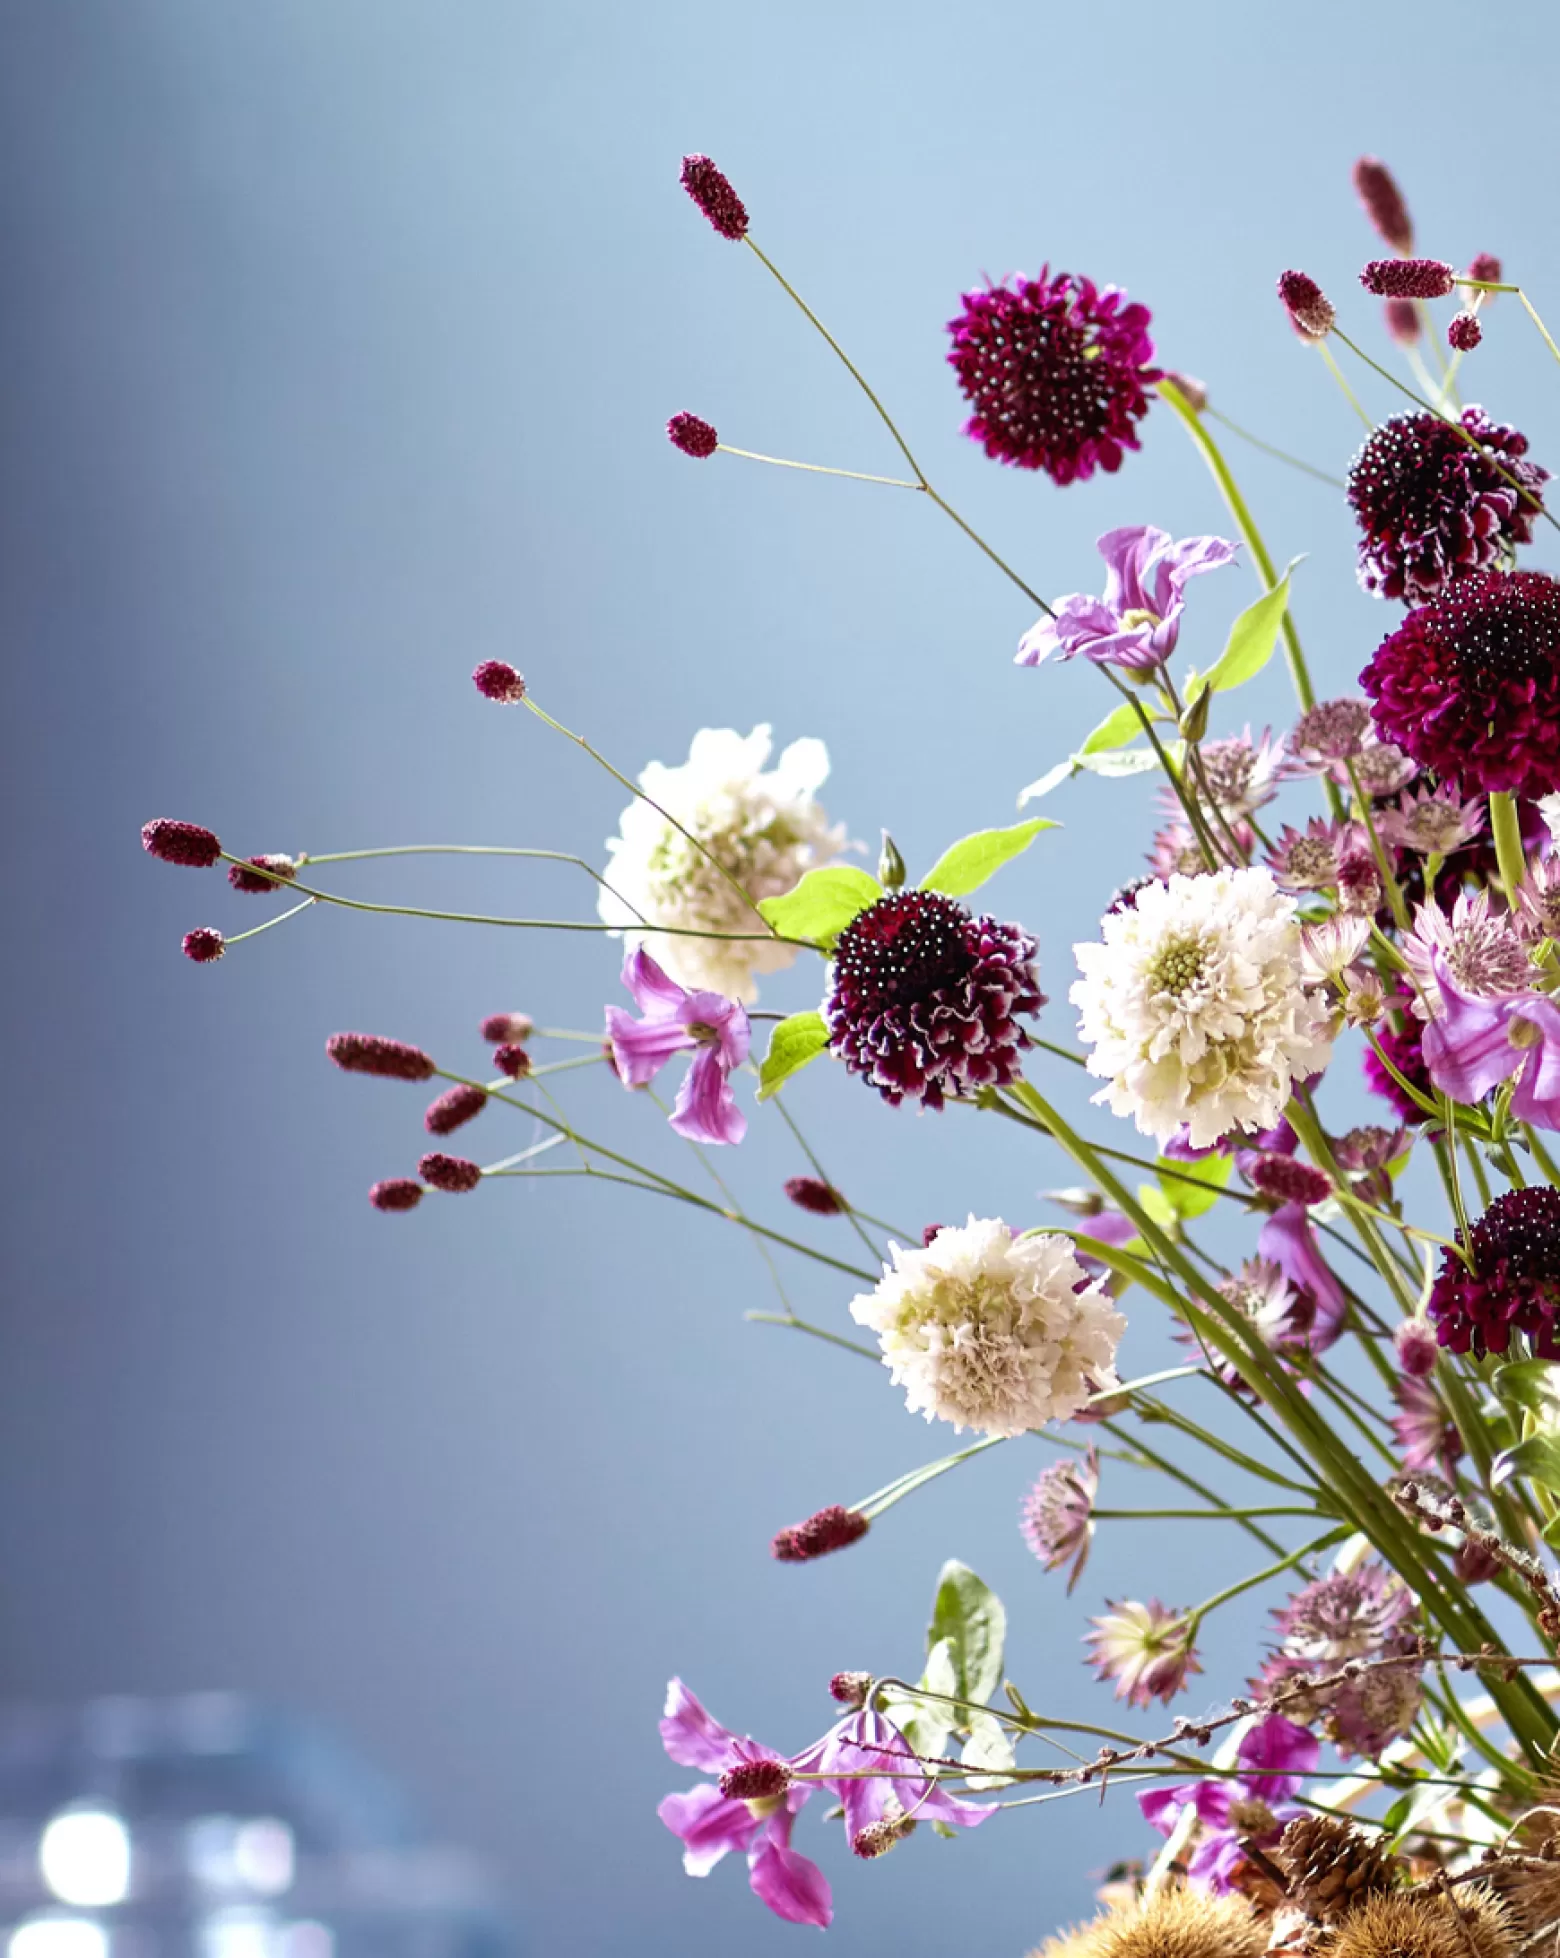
x=1064, y=771
x=1531, y=1384
x=1188, y=1200
x=794, y=1043
x=1131, y=761
x=989, y=1748
x=966, y=865
x=969, y=1614
x=1157, y=1205
x=1252, y=639
x=1115, y=731
x=823, y=903
x=1537, y=1458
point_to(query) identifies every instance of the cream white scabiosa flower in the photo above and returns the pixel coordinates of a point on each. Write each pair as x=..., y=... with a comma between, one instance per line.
x=764, y=824
x=990, y=1331
x=1196, y=1007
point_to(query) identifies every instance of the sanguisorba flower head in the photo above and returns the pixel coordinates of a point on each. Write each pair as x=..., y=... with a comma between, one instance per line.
x=1384, y=204
x=1515, y=1288
x=924, y=998
x=1196, y=1009
x=990, y=1331
x=1470, y=686
x=1056, y=370
x=1432, y=507
x=765, y=825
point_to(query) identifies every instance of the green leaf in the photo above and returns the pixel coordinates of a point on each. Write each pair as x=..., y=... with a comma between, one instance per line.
x=1551, y=1531
x=794, y=1042
x=1252, y=639
x=1131, y=761
x=1064, y=771
x=1530, y=1384
x=822, y=904
x=988, y=1747
x=1160, y=1207
x=969, y=1615
x=1115, y=731
x=926, y=1724
x=967, y=864
x=1538, y=1458
x=1185, y=1199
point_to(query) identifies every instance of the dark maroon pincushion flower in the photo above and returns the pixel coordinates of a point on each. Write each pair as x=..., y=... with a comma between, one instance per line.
x=1056, y=370
x=834, y=1528
x=1403, y=1051
x=1290, y=1181
x=1433, y=506
x=371, y=1053
x=710, y=188
x=1383, y=202
x=1515, y=1287
x=1485, y=266
x=1470, y=686
x=1310, y=311
x=512, y=1059
x=455, y=1107
x=923, y=996
x=496, y=679
x=186, y=843
x=1402, y=320
x=1464, y=333
x=812, y=1193
x=693, y=435
x=247, y=878
x=755, y=1781
x=204, y=944
x=1408, y=278
x=396, y=1193
x=452, y=1173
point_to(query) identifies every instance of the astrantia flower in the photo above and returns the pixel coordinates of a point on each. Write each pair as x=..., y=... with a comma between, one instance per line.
x=1382, y=769
x=1056, y=371
x=1332, y=730
x=1308, y=860
x=1195, y=1008
x=1144, y=1648
x=1243, y=775
x=1470, y=686
x=1137, y=622
x=1368, y=1153
x=764, y=826
x=1331, y=945
x=1427, y=1437
x=1281, y=1315
x=1056, y=1518
x=1274, y=1756
x=1481, y=949
x=1538, y=899
x=1176, y=853
x=993, y=1332
x=1433, y=822
x=1433, y=507
x=924, y=998
x=1365, y=1613
x=713, y=1029
x=1516, y=1286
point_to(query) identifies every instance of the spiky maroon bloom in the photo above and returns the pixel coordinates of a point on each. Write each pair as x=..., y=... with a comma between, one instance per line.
x=710, y=188
x=755, y=1781
x=1403, y=1051
x=454, y=1107
x=204, y=944
x=396, y=1193
x=922, y=998
x=1464, y=333
x=834, y=1528
x=371, y=1053
x=850, y=1688
x=496, y=679
x=500, y=1027
x=1056, y=370
x=1290, y=1181
x=812, y=1193
x=1401, y=317
x=247, y=878
x=1383, y=203
x=186, y=843
x=1470, y=686
x=1408, y=278
x=691, y=434
x=1417, y=1347
x=513, y=1060
x=1516, y=1285
x=452, y=1173
x=1486, y=266
x=1311, y=312
x=1433, y=506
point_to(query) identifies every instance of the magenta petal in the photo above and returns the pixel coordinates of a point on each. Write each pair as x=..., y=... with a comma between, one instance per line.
x=1128, y=553
x=728, y=1019
x=694, y=1738
x=710, y=1824
x=791, y=1884
x=1288, y=1238
x=649, y=985
x=1536, y=1098
x=706, y=1110
x=641, y=1048
x=1279, y=1748
x=1162, y=1807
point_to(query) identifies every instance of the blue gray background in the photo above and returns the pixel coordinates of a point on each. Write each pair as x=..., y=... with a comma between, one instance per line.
x=337, y=342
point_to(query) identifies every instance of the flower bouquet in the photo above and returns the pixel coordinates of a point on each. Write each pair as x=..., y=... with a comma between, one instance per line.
x=1382, y=1339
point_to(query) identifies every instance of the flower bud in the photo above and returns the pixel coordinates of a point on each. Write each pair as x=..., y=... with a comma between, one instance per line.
x=451, y=1173
x=834, y=1528
x=1417, y=1347
x=1408, y=278
x=370, y=1053
x=454, y=1107
x=1195, y=391
x=850, y=1688
x=499, y=1027
x=755, y=1781
x=811, y=1193
x=891, y=865
x=186, y=843
x=1402, y=320
x=496, y=679
x=396, y=1193
x=711, y=190
x=247, y=877
x=1464, y=333
x=693, y=435
x=204, y=944
x=1310, y=310
x=1383, y=201
x=513, y=1060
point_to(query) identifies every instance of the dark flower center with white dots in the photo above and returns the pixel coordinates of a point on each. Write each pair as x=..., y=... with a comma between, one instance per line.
x=901, y=949
x=1502, y=627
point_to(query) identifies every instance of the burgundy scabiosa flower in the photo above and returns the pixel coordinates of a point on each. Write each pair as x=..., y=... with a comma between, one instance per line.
x=1383, y=203
x=1470, y=686
x=1433, y=506
x=1056, y=370
x=189, y=844
x=1253, y=1805
x=923, y=998
x=454, y=1107
x=1515, y=1286
x=1056, y=1518
x=812, y=1193
x=204, y=944
x=496, y=679
x=833, y=1528
x=371, y=1053
x=396, y=1193
x=1311, y=312
x=1408, y=278
x=710, y=188
x=1464, y=332
x=693, y=435
x=1144, y=1648
x=451, y=1173
x=247, y=877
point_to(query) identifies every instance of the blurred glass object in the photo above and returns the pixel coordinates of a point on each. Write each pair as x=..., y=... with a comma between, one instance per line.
x=209, y=1826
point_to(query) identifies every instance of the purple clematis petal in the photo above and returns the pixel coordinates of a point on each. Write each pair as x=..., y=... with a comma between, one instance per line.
x=705, y=1109
x=1473, y=1044
x=693, y=1737
x=711, y=1027
x=711, y=1825
x=871, y=1763
x=1288, y=1239
x=649, y=985
x=791, y=1884
x=1138, y=620
x=1274, y=1754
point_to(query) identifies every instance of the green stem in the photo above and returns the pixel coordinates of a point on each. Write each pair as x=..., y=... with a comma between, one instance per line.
x=1507, y=831
x=1194, y=1515
x=818, y=468
x=817, y=1332
x=1187, y=1481
x=1267, y=448
x=1288, y=1562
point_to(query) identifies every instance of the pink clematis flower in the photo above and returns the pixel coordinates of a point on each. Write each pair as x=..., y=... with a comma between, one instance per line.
x=870, y=1767
x=1474, y=1043
x=1254, y=1805
x=1138, y=620
x=711, y=1027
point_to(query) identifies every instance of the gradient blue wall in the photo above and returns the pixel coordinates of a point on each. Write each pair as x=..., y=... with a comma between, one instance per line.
x=337, y=342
